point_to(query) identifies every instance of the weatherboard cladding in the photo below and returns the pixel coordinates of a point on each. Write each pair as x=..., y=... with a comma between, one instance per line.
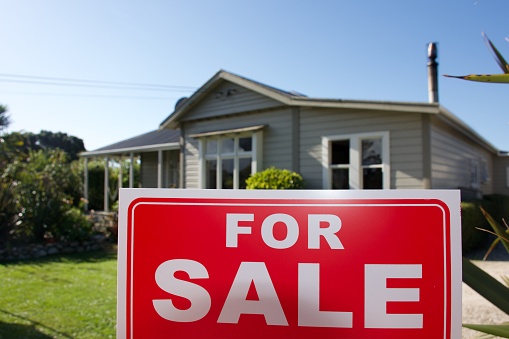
x=451, y=158
x=277, y=141
x=404, y=133
x=228, y=98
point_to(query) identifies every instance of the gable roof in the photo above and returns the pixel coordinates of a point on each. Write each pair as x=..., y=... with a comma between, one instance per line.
x=147, y=142
x=297, y=99
x=287, y=98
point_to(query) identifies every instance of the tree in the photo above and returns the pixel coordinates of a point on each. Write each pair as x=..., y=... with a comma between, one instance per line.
x=45, y=140
x=4, y=118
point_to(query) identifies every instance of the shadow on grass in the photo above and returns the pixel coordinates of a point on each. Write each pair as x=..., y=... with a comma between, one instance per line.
x=9, y=330
x=106, y=254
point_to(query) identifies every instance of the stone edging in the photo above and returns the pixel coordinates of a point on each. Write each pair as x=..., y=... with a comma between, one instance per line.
x=34, y=251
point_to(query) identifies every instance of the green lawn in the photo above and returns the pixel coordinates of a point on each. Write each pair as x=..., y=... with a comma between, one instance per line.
x=71, y=296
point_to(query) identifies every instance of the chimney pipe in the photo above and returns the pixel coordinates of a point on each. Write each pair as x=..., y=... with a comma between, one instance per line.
x=432, y=73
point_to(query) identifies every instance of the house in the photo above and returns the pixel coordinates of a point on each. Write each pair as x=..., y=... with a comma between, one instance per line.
x=233, y=126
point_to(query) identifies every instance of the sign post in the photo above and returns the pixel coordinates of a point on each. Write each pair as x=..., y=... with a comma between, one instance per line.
x=289, y=264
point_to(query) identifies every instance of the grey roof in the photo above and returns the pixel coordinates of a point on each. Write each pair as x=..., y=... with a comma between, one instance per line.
x=152, y=141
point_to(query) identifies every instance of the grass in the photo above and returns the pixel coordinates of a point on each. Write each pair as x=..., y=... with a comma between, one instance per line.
x=64, y=296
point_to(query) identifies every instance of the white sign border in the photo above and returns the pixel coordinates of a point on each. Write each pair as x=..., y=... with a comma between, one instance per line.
x=449, y=197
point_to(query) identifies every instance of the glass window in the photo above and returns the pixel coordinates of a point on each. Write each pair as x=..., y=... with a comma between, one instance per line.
x=357, y=161
x=227, y=146
x=228, y=165
x=371, y=151
x=340, y=179
x=211, y=147
x=244, y=171
x=340, y=152
x=227, y=173
x=211, y=174
x=245, y=144
x=371, y=163
x=372, y=178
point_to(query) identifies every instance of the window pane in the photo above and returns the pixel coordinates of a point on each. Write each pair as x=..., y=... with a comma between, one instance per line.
x=211, y=174
x=227, y=145
x=227, y=173
x=372, y=178
x=371, y=152
x=340, y=152
x=340, y=178
x=244, y=171
x=245, y=144
x=211, y=147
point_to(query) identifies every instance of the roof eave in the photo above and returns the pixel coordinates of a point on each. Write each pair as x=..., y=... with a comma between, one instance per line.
x=127, y=150
x=467, y=130
x=172, y=121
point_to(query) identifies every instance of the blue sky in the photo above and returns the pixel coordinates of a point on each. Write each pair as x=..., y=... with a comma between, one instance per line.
x=373, y=50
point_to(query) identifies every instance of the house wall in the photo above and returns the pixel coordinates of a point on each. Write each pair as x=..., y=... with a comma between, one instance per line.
x=405, y=133
x=501, y=175
x=170, y=169
x=277, y=139
x=220, y=103
x=452, y=157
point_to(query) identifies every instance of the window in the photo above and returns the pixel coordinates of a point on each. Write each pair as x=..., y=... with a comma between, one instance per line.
x=226, y=161
x=358, y=161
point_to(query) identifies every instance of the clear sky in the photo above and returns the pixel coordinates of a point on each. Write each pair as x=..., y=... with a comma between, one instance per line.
x=345, y=49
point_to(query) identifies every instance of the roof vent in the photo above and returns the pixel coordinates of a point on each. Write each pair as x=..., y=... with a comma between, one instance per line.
x=180, y=102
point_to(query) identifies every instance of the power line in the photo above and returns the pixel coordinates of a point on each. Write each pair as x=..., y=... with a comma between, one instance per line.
x=71, y=82
x=90, y=95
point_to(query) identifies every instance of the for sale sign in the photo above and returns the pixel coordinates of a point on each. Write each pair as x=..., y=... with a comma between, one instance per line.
x=289, y=264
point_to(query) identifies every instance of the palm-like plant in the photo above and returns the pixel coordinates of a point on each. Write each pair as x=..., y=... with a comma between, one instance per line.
x=497, y=78
x=480, y=281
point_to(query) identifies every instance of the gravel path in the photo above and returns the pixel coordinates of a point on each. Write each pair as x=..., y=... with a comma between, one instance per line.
x=476, y=310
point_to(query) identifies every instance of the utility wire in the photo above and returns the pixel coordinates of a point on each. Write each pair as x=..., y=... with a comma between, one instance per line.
x=70, y=82
x=90, y=95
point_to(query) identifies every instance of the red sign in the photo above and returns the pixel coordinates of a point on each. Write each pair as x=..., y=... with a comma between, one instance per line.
x=289, y=265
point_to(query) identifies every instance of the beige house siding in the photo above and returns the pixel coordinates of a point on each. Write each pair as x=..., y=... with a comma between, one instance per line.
x=453, y=158
x=501, y=175
x=219, y=103
x=277, y=139
x=404, y=133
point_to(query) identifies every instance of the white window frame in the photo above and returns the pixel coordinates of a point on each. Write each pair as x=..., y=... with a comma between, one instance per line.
x=474, y=174
x=355, y=166
x=255, y=154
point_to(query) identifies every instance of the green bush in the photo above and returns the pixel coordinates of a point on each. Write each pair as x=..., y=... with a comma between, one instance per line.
x=44, y=190
x=275, y=179
x=471, y=217
x=496, y=205
x=74, y=226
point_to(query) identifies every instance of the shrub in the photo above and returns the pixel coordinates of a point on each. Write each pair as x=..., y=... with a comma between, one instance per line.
x=44, y=190
x=471, y=217
x=273, y=178
x=74, y=226
x=8, y=209
x=497, y=206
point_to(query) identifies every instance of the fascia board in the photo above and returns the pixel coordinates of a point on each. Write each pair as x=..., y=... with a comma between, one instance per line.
x=140, y=149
